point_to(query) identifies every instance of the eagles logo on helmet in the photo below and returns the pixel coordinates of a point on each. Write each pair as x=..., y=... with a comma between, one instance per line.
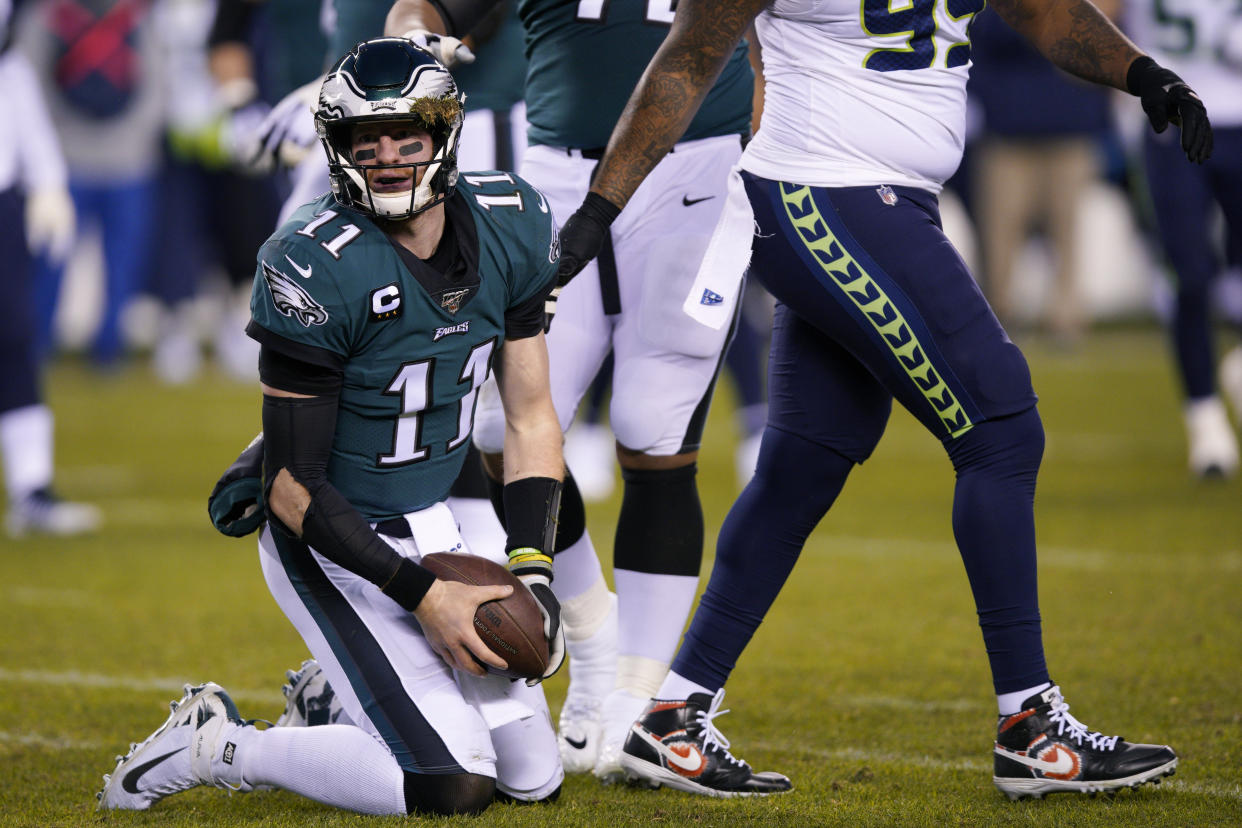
x=383, y=80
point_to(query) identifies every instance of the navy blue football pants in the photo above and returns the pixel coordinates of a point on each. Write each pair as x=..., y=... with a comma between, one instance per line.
x=1182, y=196
x=19, y=386
x=875, y=304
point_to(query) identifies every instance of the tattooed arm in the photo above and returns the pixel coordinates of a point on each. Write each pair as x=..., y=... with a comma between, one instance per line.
x=670, y=92
x=1075, y=35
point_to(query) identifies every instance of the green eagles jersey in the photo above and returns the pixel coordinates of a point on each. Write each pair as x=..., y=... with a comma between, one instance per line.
x=331, y=289
x=355, y=21
x=496, y=79
x=585, y=58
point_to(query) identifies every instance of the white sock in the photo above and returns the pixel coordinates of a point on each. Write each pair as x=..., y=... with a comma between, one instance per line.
x=576, y=569
x=679, y=687
x=652, y=612
x=338, y=765
x=591, y=641
x=26, y=443
x=1010, y=703
x=640, y=676
x=585, y=613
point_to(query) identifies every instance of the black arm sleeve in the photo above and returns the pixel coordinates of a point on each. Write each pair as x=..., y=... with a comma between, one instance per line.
x=526, y=320
x=298, y=435
x=461, y=16
x=532, y=505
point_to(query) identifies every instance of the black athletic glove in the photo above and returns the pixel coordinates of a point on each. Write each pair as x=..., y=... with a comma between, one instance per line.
x=541, y=588
x=581, y=238
x=1168, y=100
x=236, y=502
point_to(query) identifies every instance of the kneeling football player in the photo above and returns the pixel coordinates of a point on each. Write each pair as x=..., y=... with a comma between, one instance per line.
x=380, y=309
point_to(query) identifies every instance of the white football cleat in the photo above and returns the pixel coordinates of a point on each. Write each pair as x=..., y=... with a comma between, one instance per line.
x=309, y=699
x=1213, y=446
x=621, y=709
x=578, y=733
x=592, y=676
x=177, y=756
x=43, y=512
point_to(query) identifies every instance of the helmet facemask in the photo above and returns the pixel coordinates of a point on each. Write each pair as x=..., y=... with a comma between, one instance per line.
x=385, y=81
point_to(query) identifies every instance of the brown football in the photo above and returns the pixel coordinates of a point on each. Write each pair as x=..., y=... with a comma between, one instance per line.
x=512, y=627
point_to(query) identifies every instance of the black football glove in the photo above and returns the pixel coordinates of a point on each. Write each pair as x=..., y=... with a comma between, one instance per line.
x=236, y=502
x=1168, y=100
x=552, y=630
x=534, y=569
x=581, y=239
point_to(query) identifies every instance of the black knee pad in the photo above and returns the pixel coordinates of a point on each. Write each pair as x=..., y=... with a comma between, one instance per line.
x=660, y=528
x=448, y=793
x=571, y=525
x=1015, y=442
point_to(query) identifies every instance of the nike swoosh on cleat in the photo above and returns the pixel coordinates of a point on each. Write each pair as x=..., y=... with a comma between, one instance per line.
x=683, y=763
x=130, y=782
x=686, y=200
x=304, y=272
x=1063, y=765
x=576, y=744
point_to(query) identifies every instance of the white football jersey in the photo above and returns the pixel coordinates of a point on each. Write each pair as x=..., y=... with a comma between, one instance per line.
x=1200, y=40
x=863, y=92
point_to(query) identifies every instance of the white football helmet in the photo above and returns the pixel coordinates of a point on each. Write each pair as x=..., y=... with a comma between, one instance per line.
x=390, y=79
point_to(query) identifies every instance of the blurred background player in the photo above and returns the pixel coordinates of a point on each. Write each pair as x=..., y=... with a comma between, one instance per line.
x=823, y=189
x=213, y=212
x=1201, y=40
x=664, y=367
x=226, y=60
x=379, y=309
x=100, y=64
x=36, y=215
x=1038, y=154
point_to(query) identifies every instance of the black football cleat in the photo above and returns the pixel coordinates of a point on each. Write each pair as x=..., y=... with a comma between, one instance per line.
x=675, y=743
x=1043, y=750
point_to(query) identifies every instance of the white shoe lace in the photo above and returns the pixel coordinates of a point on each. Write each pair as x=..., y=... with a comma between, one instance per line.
x=1067, y=725
x=711, y=733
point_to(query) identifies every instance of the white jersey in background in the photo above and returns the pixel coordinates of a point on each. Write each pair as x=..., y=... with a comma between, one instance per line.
x=859, y=93
x=1200, y=40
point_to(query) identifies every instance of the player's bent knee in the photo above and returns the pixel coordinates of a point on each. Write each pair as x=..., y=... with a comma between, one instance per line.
x=448, y=794
x=1016, y=441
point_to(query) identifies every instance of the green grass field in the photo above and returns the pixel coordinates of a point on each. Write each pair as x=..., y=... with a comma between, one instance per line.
x=867, y=685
